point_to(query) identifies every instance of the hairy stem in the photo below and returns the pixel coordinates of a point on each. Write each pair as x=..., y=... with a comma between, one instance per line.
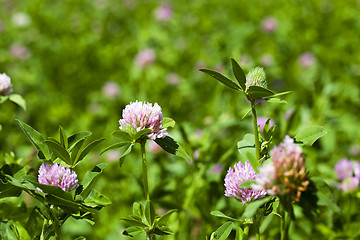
x=256, y=132
x=145, y=176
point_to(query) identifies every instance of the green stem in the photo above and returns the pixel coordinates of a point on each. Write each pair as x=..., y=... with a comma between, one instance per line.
x=256, y=133
x=246, y=231
x=145, y=176
x=285, y=224
x=257, y=222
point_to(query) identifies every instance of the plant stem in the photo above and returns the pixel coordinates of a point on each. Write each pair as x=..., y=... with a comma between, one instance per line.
x=256, y=133
x=145, y=176
x=246, y=231
x=285, y=224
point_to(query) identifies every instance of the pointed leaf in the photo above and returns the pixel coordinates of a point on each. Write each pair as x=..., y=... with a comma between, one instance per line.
x=259, y=92
x=168, y=122
x=239, y=74
x=171, y=146
x=247, y=150
x=163, y=218
x=59, y=151
x=252, y=207
x=218, y=76
x=280, y=94
x=63, y=138
x=276, y=100
x=36, y=139
x=19, y=100
x=222, y=215
x=141, y=133
x=163, y=230
x=128, y=150
x=87, y=149
x=96, y=199
x=123, y=135
x=134, y=222
x=133, y=231
x=73, y=139
x=223, y=231
x=90, y=178
x=310, y=134
x=149, y=212
x=3, y=99
x=75, y=151
x=116, y=145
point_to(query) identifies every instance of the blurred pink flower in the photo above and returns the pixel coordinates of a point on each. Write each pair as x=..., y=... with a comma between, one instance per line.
x=196, y=154
x=21, y=19
x=173, y=78
x=217, y=168
x=306, y=60
x=219, y=68
x=261, y=122
x=19, y=51
x=164, y=12
x=145, y=57
x=113, y=155
x=349, y=173
x=267, y=60
x=154, y=148
x=244, y=60
x=269, y=24
x=111, y=89
x=5, y=84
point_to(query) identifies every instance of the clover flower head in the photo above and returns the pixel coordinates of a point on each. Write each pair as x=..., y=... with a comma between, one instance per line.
x=145, y=57
x=306, y=59
x=256, y=77
x=234, y=178
x=111, y=89
x=164, y=12
x=58, y=175
x=269, y=24
x=5, y=84
x=348, y=172
x=286, y=175
x=141, y=115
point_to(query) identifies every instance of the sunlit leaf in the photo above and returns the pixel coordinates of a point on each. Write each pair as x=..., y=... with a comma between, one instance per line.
x=218, y=76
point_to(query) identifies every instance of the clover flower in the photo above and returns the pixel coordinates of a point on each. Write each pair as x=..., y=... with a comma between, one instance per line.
x=261, y=121
x=256, y=77
x=140, y=115
x=306, y=59
x=164, y=12
x=145, y=57
x=269, y=24
x=58, y=175
x=348, y=172
x=286, y=175
x=234, y=178
x=5, y=84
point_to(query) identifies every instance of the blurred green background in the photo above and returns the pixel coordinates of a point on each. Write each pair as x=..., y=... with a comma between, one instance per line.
x=78, y=63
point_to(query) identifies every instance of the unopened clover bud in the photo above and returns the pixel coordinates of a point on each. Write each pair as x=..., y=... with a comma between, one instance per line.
x=256, y=77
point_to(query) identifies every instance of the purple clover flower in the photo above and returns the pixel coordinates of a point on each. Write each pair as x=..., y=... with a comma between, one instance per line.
x=261, y=121
x=141, y=115
x=234, y=178
x=58, y=175
x=164, y=12
x=348, y=172
x=145, y=57
x=269, y=24
x=5, y=84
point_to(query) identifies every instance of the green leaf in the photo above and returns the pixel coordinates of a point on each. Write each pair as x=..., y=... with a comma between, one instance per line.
x=128, y=150
x=163, y=230
x=133, y=231
x=276, y=100
x=96, y=199
x=218, y=76
x=223, y=231
x=87, y=149
x=80, y=238
x=168, y=122
x=252, y=207
x=75, y=151
x=116, y=145
x=63, y=138
x=149, y=212
x=90, y=178
x=247, y=150
x=141, y=133
x=3, y=99
x=239, y=74
x=9, y=190
x=246, y=114
x=76, y=137
x=36, y=139
x=258, y=92
x=133, y=222
x=310, y=134
x=136, y=209
x=171, y=146
x=19, y=100
x=222, y=215
x=280, y=94
x=59, y=151
x=123, y=135
x=163, y=218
